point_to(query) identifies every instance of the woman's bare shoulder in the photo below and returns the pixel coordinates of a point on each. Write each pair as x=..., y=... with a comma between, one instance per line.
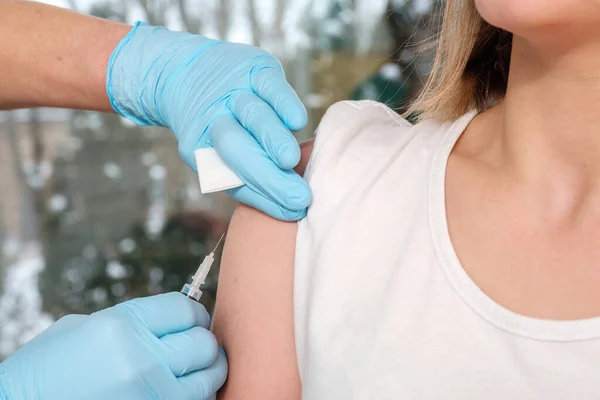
x=254, y=318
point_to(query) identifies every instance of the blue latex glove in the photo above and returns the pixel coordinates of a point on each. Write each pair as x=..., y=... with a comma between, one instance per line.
x=145, y=349
x=233, y=97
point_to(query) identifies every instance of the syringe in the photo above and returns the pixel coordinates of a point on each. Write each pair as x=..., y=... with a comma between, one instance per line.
x=192, y=290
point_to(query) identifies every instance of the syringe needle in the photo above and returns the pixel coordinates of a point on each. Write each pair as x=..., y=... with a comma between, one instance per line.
x=219, y=242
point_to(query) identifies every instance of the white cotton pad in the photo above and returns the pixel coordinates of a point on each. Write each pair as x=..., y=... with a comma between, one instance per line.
x=214, y=175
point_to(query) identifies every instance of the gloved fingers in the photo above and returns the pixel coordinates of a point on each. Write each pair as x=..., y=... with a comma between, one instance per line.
x=254, y=199
x=190, y=350
x=166, y=313
x=267, y=128
x=205, y=383
x=269, y=83
x=244, y=155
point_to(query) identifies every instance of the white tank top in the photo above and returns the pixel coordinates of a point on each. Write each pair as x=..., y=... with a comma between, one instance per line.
x=383, y=308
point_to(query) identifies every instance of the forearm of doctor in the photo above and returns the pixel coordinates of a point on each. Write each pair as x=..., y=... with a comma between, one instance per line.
x=54, y=57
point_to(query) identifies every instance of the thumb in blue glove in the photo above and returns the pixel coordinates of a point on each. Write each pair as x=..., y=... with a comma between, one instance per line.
x=230, y=96
x=155, y=348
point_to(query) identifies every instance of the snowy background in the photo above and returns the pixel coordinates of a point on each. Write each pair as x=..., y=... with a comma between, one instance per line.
x=95, y=210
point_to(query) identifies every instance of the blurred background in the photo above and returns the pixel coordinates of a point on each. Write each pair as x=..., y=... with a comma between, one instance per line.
x=95, y=210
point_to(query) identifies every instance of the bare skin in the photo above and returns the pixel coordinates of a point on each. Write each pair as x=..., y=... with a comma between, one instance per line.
x=254, y=316
x=54, y=57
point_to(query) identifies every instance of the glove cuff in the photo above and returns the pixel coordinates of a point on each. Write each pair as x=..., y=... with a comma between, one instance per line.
x=136, y=68
x=117, y=101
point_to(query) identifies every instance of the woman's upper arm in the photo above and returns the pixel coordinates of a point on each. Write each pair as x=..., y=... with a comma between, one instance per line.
x=254, y=317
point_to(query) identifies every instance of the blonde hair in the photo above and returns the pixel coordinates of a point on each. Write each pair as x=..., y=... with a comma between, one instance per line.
x=470, y=70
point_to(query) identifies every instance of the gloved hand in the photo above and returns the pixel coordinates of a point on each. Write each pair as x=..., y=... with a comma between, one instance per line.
x=145, y=349
x=232, y=97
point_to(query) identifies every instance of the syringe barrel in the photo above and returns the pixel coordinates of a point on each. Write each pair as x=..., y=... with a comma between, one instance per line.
x=204, y=269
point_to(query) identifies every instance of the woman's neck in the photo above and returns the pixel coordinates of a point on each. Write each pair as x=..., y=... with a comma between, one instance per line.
x=553, y=103
x=546, y=131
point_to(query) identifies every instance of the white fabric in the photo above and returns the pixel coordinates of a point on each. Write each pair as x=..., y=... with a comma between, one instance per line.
x=383, y=308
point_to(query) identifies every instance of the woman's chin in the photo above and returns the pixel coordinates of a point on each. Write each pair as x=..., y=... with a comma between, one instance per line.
x=532, y=19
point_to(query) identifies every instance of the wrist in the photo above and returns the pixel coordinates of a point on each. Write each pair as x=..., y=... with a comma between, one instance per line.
x=115, y=80
x=140, y=67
